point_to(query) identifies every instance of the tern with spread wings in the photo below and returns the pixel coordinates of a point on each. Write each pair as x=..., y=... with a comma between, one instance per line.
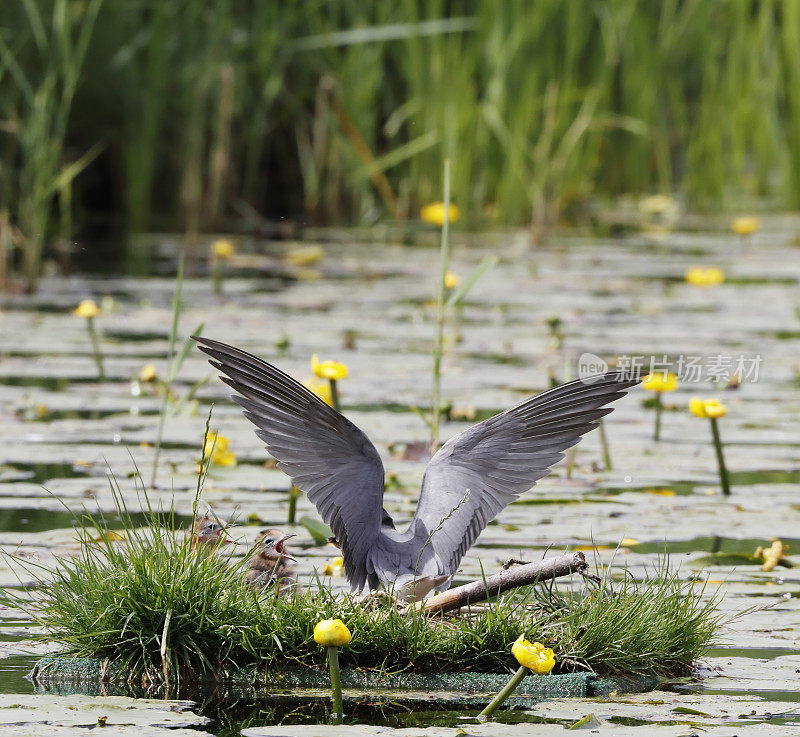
x=473, y=476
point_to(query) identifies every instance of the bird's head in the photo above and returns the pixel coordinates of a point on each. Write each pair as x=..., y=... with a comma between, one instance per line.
x=207, y=531
x=271, y=543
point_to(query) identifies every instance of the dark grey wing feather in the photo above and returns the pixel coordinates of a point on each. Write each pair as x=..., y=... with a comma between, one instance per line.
x=324, y=453
x=502, y=457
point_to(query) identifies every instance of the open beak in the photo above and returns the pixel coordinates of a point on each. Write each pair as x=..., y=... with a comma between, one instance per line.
x=279, y=547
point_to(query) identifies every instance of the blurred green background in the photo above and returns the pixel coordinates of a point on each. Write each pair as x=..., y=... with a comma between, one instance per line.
x=120, y=117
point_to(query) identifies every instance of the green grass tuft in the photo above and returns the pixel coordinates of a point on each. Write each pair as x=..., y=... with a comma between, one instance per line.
x=160, y=608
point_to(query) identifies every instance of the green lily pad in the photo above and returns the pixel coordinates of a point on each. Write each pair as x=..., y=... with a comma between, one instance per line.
x=318, y=530
x=687, y=710
x=734, y=559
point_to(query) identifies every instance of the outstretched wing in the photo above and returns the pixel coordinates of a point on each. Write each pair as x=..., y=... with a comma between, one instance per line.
x=500, y=458
x=324, y=453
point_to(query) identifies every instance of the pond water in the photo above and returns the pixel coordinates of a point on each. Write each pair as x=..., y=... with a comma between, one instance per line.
x=369, y=304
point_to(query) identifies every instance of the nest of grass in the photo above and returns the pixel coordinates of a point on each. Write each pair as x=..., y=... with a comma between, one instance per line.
x=150, y=604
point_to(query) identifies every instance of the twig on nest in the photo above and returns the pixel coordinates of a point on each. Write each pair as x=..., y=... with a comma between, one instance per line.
x=514, y=562
x=506, y=579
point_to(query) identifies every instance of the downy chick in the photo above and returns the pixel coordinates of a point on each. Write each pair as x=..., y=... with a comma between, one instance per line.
x=208, y=533
x=268, y=565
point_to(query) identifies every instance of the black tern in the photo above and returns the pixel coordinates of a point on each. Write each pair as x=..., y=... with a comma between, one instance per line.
x=472, y=477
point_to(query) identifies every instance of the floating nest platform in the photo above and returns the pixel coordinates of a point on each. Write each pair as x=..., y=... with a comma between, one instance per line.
x=93, y=676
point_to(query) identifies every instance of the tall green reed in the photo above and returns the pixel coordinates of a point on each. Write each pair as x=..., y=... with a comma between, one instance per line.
x=175, y=361
x=228, y=109
x=40, y=70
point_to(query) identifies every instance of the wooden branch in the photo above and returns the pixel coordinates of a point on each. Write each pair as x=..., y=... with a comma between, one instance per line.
x=509, y=578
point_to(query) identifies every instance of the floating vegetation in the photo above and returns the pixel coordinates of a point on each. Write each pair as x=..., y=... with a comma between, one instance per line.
x=146, y=601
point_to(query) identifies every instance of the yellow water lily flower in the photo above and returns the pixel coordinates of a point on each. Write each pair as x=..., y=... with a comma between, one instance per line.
x=333, y=567
x=659, y=381
x=331, y=633
x=87, y=308
x=322, y=389
x=772, y=555
x=148, y=373
x=533, y=655
x=451, y=280
x=705, y=276
x=628, y=542
x=221, y=455
x=330, y=370
x=434, y=213
x=711, y=408
x=222, y=248
x=660, y=492
x=305, y=255
x=745, y=225
x=658, y=204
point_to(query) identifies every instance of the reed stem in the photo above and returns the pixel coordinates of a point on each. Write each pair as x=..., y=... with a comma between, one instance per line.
x=438, y=344
x=162, y=415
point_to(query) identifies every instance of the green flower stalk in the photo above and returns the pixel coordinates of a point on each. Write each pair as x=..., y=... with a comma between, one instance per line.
x=713, y=409
x=601, y=428
x=438, y=343
x=659, y=382
x=507, y=690
x=335, y=395
x=89, y=310
x=532, y=657
x=294, y=493
x=332, y=634
x=221, y=252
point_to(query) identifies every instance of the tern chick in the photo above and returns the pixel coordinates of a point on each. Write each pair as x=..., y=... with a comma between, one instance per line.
x=269, y=566
x=208, y=533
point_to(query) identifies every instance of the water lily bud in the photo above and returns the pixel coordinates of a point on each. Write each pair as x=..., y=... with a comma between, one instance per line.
x=773, y=555
x=148, y=373
x=331, y=633
x=451, y=280
x=658, y=204
x=705, y=277
x=334, y=567
x=87, y=308
x=222, y=248
x=745, y=225
x=221, y=455
x=434, y=213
